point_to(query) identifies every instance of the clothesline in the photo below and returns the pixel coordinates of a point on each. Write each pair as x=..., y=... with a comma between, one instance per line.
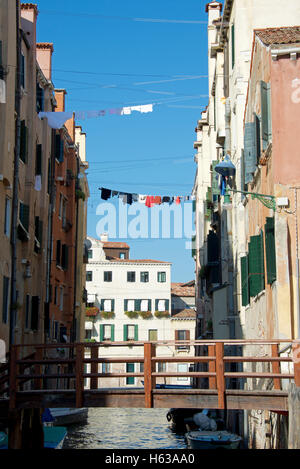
x=148, y=200
x=57, y=119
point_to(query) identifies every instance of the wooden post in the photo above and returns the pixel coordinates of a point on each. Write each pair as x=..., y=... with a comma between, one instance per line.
x=212, y=366
x=94, y=367
x=294, y=416
x=79, y=374
x=296, y=361
x=149, y=367
x=276, y=367
x=220, y=369
x=37, y=368
x=13, y=376
x=15, y=420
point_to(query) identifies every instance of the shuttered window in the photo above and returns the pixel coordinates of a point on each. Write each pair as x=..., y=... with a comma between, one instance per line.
x=245, y=281
x=266, y=122
x=35, y=301
x=105, y=334
x=208, y=203
x=39, y=98
x=38, y=232
x=23, y=142
x=1, y=63
x=59, y=148
x=214, y=179
x=24, y=215
x=232, y=46
x=38, y=160
x=130, y=332
x=250, y=150
x=212, y=248
x=270, y=250
x=256, y=265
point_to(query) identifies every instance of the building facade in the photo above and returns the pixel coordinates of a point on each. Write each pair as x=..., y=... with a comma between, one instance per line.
x=130, y=300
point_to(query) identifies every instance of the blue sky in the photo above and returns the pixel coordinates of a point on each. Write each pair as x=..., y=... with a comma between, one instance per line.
x=114, y=54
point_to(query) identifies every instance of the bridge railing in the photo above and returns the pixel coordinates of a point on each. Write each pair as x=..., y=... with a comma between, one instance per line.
x=64, y=366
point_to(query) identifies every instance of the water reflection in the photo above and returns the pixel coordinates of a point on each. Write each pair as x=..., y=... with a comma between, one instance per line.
x=117, y=428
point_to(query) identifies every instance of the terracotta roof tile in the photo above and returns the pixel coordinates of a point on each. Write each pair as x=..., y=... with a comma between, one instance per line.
x=115, y=244
x=185, y=314
x=180, y=289
x=283, y=35
x=114, y=259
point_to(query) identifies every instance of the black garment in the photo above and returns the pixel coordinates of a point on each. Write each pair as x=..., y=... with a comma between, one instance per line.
x=166, y=199
x=105, y=193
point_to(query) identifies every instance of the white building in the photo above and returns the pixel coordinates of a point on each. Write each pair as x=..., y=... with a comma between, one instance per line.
x=130, y=300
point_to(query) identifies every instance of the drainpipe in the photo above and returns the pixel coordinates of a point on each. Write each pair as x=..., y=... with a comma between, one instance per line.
x=15, y=201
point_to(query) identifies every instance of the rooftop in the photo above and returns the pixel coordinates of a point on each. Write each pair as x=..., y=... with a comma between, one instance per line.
x=282, y=35
x=185, y=314
x=183, y=289
x=135, y=261
x=115, y=244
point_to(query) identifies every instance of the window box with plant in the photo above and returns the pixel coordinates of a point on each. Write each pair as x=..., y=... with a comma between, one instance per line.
x=145, y=314
x=161, y=314
x=92, y=311
x=131, y=314
x=107, y=314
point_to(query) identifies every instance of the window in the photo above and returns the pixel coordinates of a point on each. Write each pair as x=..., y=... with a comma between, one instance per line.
x=232, y=46
x=106, y=368
x=130, y=332
x=89, y=276
x=145, y=277
x=61, y=300
x=256, y=265
x=27, y=311
x=182, y=368
x=90, y=254
x=35, y=302
x=38, y=160
x=107, y=276
x=162, y=305
x=24, y=216
x=7, y=217
x=24, y=142
x=5, y=300
x=58, y=252
x=161, y=367
x=182, y=335
x=130, y=276
x=88, y=334
x=39, y=98
x=64, y=256
x=55, y=330
x=161, y=276
x=266, y=121
x=59, y=148
x=38, y=235
x=270, y=250
x=152, y=335
x=122, y=255
x=145, y=305
x=130, y=369
x=1, y=63
x=107, y=332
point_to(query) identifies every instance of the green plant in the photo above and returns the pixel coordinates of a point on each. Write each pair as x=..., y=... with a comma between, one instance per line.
x=131, y=314
x=203, y=271
x=80, y=194
x=91, y=311
x=145, y=314
x=162, y=314
x=107, y=314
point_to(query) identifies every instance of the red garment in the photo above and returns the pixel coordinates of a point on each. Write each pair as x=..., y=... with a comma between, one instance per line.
x=178, y=200
x=149, y=201
x=157, y=199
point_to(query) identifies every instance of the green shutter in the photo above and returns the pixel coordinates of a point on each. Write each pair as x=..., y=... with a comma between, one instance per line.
x=113, y=305
x=250, y=151
x=232, y=45
x=215, y=179
x=136, y=332
x=24, y=215
x=167, y=305
x=194, y=205
x=137, y=305
x=156, y=305
x=101, y=332
x=125, y=332
x=270, y=250
x=102, y=305
x=208, y=203
x=125, y=305
x=245, y=281
x=112, y=337
x=149, y=305
x=256, y=265
x=266, y=123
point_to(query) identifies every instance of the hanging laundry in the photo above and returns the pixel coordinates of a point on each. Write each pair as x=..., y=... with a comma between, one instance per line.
x=56, y=120
x=147, y=108
x=38, y=182
x=149, y=201
x=135, y=198
x=223, y=185
x=105, y=193
x=177, y=200
x=157, y=200
x=142, y=198
x=166, y=199
x=114, y=193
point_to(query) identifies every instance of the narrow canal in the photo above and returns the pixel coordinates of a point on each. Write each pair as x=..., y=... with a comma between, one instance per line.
x=117, y=428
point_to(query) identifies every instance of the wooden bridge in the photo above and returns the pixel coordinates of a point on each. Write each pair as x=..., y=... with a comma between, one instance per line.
x=53, y=375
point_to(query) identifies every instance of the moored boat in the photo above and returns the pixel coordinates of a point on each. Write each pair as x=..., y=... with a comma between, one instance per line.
x=212, y=440
x=68, y=416
x=54, y=437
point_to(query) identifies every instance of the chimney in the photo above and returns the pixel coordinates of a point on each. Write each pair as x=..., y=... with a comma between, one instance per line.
x=104, y=237
x=44, y=51
x=214, y=10
x=60, y=99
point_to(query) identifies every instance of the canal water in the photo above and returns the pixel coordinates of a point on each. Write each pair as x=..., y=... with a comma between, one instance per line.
x=118, y=428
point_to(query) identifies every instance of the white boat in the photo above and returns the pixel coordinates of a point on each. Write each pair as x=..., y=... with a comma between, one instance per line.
x=222, y=439
x=68, y=416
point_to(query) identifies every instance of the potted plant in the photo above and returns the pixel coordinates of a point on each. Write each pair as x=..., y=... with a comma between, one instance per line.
x=145, y=314
x=107, y=314
x=162, y=314
x=131, y=314
x=91, y=311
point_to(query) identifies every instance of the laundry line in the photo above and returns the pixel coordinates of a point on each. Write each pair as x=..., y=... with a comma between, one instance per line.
x=147, y=200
